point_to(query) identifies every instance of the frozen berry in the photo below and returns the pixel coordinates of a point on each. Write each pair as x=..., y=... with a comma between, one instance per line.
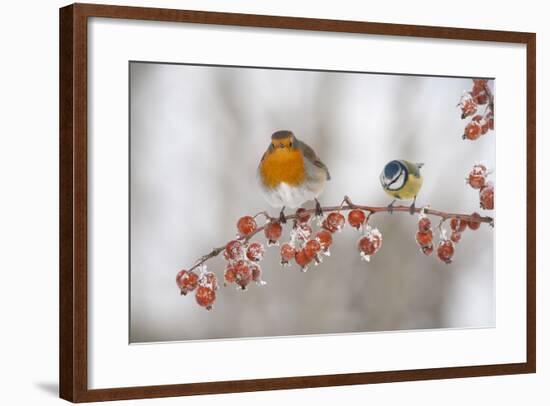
x=356, y=218
x=478, y=86
x=458, y=225
x=209, y=279
x=325, y=239
x=424, y=238
x=287, y=253
x=468, y=106
x=303, y=232
x=472, y=131
x=487, y=197
x=428, y=249
x=369, y=244
x=302, y=216
x=205, y=297
x=246, y=225
x=312, y=248
x=243, y=274
x=255, y=251
x=187, y=281
x=234, y=250
x=273, y=231
x=445, y=251
x=256, y=272
x=424, y=224
x=476, y=177
x=456, y=236
x=229, y=274
x=302, y=259
x=336, y=221
x=474, y=225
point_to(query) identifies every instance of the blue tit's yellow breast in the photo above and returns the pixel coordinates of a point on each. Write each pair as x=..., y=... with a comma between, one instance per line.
x=409, y=190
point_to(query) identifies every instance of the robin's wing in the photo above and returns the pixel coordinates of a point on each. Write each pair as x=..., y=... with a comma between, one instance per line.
x=310, y=154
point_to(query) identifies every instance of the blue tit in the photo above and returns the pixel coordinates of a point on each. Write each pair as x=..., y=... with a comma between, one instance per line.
x=402, y=180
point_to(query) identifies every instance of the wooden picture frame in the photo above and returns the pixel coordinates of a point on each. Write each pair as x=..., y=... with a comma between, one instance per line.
x=74, y=201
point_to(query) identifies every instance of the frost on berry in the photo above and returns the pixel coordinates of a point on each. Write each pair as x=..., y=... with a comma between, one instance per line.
x=334, y=222
x=472, y=224
x=467, y=105
x=246, y=225
x=243, y=274
x=356, y=218
x=427, y=250
x=487, y=197
x=456, y=236
x=209, y=280
x=257, y=274
x=255, y=252
x=234, y=250
x=187, y=281
x=325, y=239
x=370, y=243
x=287, y=253
x=273, y=231
x=445, y=251
x=424, y=238
x=302, y=232
x=302, y=259
x=205, y=297
x=229, y=274
x=472, y=131
x=424, y=224
x=477, y=176
x=458, y=225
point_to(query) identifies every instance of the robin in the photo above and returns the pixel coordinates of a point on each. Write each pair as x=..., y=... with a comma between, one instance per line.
x=402, y=180
x=291, y=173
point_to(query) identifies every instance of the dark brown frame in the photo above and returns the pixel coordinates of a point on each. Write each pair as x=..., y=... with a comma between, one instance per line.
x=73, y=201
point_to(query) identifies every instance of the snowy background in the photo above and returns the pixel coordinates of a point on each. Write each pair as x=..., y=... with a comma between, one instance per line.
x=197, y=134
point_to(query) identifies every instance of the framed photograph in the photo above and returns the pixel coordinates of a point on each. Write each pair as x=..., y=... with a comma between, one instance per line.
x=255, y=202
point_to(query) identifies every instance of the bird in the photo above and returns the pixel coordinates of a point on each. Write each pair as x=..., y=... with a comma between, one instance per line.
x=402, y=180
x=290, y=173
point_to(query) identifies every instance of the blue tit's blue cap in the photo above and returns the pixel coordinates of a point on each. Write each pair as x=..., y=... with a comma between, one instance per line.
x=392, y=169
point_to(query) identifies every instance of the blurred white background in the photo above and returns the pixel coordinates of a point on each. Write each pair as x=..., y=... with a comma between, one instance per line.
x=197, y=134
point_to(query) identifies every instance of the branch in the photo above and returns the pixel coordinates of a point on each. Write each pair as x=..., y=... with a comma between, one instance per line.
x=347, y=204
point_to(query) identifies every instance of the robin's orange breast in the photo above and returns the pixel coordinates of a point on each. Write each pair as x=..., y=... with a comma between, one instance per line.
x=283, y=166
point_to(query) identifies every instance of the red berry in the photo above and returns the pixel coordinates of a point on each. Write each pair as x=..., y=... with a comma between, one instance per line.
x=474, y=225
x=243, y=274
x=468, y=106
x=209, y=279
x=476, y=177
x=445, y=251
x=479, y=86
x=424, y=224
x=187, y=281
x=229, y=274
x=487, y=197
x=455, y=236
x=246, y=225
x=255, y=251
x=356, y=218
x=256, y=272
x=328, y=227
x=234, y=250
x=312, y=248
x=273, y=231
x=481, y=98
x=325, y=239
x=302, y=216
x=428, y=249
x=370, y=244
x=458, y=225
x=302, y=259
x=205, y=297
x=472, y=131
x=287, y=253
x=477, y=118
x=336, y=221
x=424, y=238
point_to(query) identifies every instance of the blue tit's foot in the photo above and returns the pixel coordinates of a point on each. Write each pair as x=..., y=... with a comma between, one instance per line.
x=282, y=217
x=318, y=209
x=390, y=206
x=412, y=209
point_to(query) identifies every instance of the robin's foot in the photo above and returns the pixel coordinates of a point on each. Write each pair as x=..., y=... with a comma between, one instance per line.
x=390, y=206
x=318, y=209
x=412, y=209
x=282, y=217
